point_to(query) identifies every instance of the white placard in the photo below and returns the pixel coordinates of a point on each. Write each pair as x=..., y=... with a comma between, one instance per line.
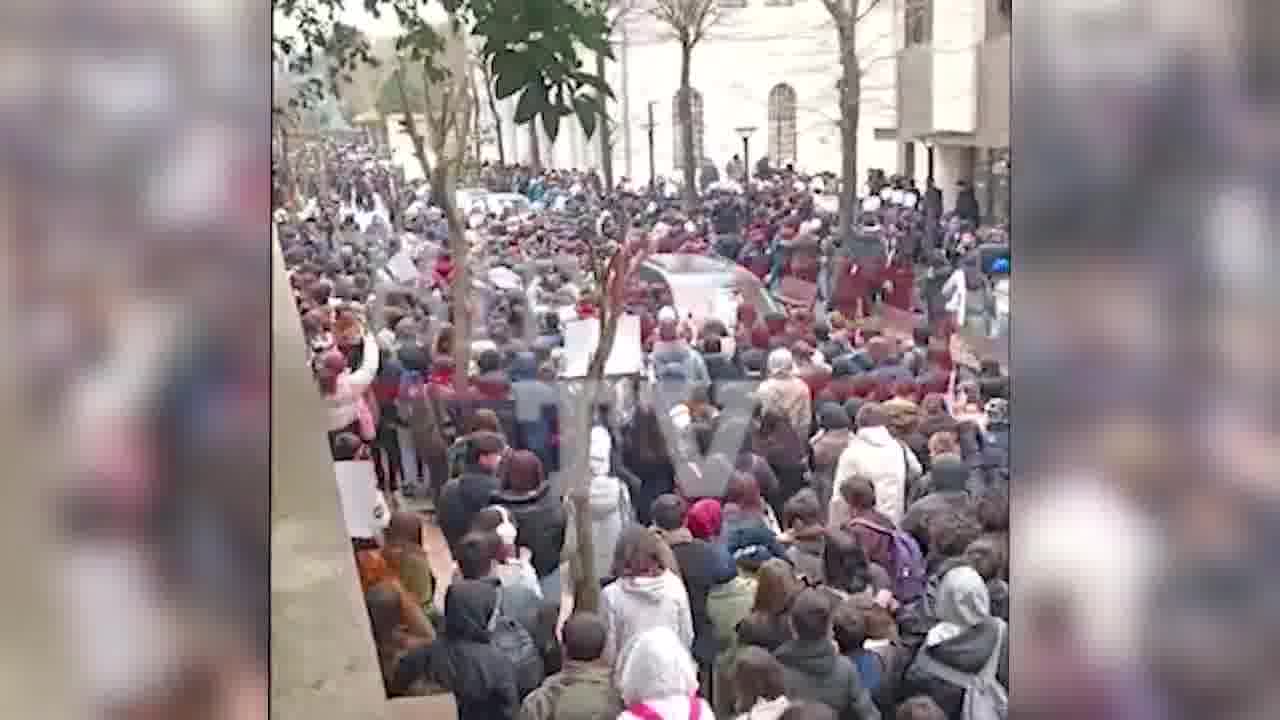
x=582, y=336
x=401, y=267
x=363, y=508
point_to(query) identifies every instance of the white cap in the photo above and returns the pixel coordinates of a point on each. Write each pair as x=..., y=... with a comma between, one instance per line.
x=668, y=315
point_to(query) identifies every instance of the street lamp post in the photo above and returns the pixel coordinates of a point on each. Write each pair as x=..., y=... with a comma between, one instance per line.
x=745, y=132
x=652, y=165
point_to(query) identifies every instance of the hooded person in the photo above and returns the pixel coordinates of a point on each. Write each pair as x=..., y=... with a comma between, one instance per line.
x=463, y=660
x=658, y=679
x=965, y=639
x=647, y=594
x=874, y=453
x=610, y=504
x=786, y=394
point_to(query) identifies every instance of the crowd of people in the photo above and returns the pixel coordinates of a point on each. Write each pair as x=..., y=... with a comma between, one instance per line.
x=844, y=557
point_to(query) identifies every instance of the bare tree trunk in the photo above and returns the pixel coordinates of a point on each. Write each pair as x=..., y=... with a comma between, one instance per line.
x=442, y=197
x=602, y=127
x=535, y=147
x=286, y=167
x=686, y=129
x=493, y=110
x=850, y=93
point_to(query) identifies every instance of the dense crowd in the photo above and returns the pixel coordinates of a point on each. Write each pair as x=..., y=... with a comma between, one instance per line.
x=844, y=555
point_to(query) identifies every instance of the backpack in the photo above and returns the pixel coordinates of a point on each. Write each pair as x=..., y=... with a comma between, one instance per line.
x=514, y=642
x=984, y=697
x=908, y=569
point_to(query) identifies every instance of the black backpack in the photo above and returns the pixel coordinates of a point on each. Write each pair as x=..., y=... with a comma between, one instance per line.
x=515, y=643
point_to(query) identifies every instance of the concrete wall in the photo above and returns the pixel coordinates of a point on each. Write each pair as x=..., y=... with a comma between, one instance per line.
x=323, y=665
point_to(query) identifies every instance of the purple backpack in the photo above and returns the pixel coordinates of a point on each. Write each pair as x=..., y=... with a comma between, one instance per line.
x=908, y=571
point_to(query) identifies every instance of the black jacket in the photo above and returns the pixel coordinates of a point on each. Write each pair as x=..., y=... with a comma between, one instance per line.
x=540, y=525
x=701, y=568
x=967, y=652
x=815, y=671
x=461, y=499
x=463, y=660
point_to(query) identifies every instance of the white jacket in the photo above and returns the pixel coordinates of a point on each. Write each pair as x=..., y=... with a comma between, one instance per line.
x=630, y=606
x=875, y=454
x=344, y=402
x=956, y=291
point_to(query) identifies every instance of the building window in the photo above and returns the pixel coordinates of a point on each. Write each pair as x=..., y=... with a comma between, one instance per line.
x=779, y=3
x=732, y=4
x=999, y=18
x=782, y=125
x=919, y=22
x=696, y=112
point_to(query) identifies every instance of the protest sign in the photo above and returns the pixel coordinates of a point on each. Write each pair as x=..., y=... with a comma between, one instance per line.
x=363, y=508
x=581, y=337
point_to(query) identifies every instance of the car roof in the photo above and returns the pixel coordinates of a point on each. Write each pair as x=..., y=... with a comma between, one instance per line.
x=685, y=264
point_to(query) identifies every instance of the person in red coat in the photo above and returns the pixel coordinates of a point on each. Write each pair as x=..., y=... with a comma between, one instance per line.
x=899, y=279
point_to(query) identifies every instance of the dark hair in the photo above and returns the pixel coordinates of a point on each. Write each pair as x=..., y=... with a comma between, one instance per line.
x=921, y=336
x=484, y=443
x=811, y=614
x=584, y=637
x=993, y=511
x=645, y=439
x=844, y=562
x=477, y=551
x=850, y=627
x=486, y=521
x=668, y=512
x=346, y=445
x=711, y=345
x=489, y=361
x=805, y=710
x=757, y=675
x=920, y=707
x=522, y=472
x=950, y=532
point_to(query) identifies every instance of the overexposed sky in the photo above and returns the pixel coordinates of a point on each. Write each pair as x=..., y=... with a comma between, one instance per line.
x=355, y=14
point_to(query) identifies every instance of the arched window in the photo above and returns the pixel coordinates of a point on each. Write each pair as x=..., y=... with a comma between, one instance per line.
x=696, y=112
x=782, y=125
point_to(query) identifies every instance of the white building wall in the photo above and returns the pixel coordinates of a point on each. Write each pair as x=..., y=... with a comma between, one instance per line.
x=747, y=53
x=958, y=27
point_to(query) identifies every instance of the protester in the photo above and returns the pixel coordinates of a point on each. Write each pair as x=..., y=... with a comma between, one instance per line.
x=464, y=496
x=647, y=594
x=701, y=568
x=488, y=438
x=813, y=669
x=966, y=641
x=761, y=691
x=875, y=454
x=583, y=689
x=539, y=516
x=658, y=679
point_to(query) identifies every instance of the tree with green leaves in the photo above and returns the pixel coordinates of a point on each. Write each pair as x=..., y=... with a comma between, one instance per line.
x=531, y=47
x=689, y=21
